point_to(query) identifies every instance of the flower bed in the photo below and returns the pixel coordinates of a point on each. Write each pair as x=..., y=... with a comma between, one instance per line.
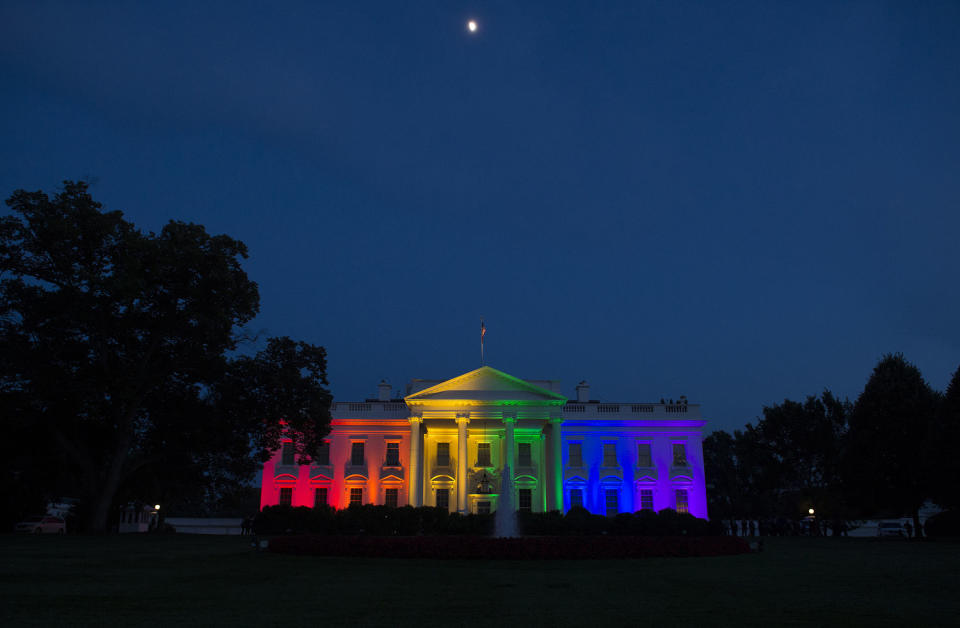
x=522, y=548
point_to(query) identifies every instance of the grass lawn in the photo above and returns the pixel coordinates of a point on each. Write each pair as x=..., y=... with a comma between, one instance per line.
x=206, y=580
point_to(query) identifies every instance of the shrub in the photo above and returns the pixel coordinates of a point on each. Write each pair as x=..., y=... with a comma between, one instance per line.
x=943, y=524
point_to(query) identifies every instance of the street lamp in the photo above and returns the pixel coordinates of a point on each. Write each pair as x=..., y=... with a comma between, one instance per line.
x=809, y=511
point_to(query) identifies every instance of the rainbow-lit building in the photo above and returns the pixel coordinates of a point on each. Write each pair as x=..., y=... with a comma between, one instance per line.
x=447, y=444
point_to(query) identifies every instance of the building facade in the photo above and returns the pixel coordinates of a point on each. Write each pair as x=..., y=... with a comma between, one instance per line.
x=451, y=443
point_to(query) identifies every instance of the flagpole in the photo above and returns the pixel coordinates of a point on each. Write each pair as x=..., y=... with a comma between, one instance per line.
x=483, y=330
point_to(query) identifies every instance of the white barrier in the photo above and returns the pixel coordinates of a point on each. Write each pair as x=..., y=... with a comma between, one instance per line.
x=205, y=525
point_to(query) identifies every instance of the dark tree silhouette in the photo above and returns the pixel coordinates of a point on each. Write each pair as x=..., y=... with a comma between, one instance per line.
x=114, y=347
x=945, y=437
x=888, y=460
x=724, y=499
x=804, y=443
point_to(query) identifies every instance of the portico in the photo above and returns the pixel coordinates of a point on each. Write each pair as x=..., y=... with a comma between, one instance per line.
x=478, y=416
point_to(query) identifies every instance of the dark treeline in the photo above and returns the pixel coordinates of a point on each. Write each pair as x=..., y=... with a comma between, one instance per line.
x=881, y=456
x=126, y=372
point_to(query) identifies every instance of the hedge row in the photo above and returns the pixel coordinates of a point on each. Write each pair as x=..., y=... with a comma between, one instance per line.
x=408, y=521
x=943, y=525
x=522, y=548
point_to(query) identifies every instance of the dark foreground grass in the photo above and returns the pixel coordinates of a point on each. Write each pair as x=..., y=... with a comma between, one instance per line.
x=206, y=581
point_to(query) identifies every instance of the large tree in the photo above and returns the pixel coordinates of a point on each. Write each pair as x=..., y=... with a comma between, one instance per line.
x=888, y=459
x=738, y=474
x=804, y=443
x=720, y=469
x=944, y=446
x=114, y=348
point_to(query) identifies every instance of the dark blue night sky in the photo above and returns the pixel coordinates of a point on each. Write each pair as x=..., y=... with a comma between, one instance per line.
x=739, y=202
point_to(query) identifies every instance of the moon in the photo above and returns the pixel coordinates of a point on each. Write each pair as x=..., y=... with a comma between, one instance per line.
x=472, y=26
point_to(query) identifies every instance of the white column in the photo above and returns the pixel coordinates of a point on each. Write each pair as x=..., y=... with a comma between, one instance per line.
x=462, y=419
x=416, y=495
x=506, y=489
x=555, y=476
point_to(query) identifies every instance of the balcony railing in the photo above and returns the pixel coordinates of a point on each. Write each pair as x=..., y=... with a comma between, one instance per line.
x=369, y=409
x=648, y=411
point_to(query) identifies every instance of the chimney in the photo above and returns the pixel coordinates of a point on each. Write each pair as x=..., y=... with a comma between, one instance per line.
x=583, y=392
x=383, y=390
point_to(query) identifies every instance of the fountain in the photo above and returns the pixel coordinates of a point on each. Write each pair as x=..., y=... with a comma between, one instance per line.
x=505, y=519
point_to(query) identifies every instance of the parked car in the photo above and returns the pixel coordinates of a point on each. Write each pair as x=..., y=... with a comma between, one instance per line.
x=890, y=528
x=42, y=524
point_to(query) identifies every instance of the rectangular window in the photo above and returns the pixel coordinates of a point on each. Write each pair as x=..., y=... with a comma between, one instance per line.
x=323, y=453
x=286, y=455
x=391, y=496
x=609, y=454
x=393, y=454
x=612, y=501
x=575, y=455
x=356, y=496
x=483, y=455
x=356, y=454
x=576, y=497
x=286, y=497
x=682, y=500
x=443, y=454
x=644, y=457
x=679, y=455
x=483, y=508
x=525, y=502
x=443, y=498
x=320, y=497
x=523, y=453
x=646, y=499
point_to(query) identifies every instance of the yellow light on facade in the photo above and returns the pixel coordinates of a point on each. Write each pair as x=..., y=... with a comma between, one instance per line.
x=156, y=507
x=810, y=511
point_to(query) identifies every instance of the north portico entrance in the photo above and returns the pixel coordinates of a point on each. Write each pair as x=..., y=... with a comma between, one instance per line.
x=465, y=432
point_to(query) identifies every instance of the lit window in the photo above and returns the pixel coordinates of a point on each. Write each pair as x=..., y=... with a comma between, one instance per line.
x=443, y=454
x=526, y=500
x=483, y=454
x=483, y=508
x=320, y=497
x=644, y=458
x=575, y=455
x=523, y=453
x=576, y=497
x=323, y=453
x=646, y=499
x=682, y=500
x=609, y=454
x=679, y=455
x=612, y=501
x=393, y=454
x=356, y=496
x=356, y=454
x=391, y=496
x=443, y=498
x=286, y=497
x=286, y=456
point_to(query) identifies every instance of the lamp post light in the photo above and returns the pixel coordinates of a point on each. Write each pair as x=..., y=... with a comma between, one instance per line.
x=155, y=518
x=809, y=511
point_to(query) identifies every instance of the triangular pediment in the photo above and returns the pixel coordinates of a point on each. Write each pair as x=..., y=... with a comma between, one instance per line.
x=487, y=384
